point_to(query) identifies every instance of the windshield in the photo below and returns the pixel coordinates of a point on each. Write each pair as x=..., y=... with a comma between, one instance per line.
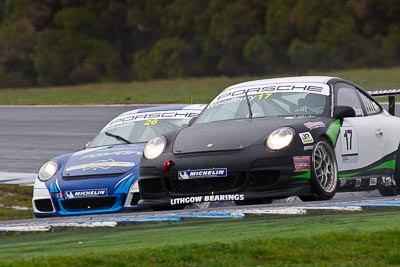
x=269, y=104
x=138, y=128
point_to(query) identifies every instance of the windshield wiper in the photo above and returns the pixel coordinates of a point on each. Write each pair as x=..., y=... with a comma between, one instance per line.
x=119, y=138
x=248, y=105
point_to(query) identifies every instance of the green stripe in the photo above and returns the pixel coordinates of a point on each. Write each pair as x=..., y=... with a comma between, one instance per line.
x=391, y=164
x=333, y=131
x=306, y=175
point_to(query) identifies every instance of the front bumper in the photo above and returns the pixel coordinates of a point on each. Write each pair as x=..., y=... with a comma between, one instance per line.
x=46, y=203
x=251, y=174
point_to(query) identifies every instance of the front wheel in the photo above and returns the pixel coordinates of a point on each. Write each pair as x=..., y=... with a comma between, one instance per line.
x=324, y=173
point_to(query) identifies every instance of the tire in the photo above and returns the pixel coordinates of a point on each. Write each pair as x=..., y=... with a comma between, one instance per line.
x=387, y=191
x=324, y=172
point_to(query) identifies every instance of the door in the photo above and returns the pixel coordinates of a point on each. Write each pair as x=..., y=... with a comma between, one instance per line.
x=361, y=138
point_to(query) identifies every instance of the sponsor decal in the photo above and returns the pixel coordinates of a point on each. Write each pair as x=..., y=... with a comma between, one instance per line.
x=102, y=164
x=203, y=173
x=308, y=148
x=314, y=125
x=343, y=183
x=388, y=181
x=107, y=154
x=209, y=198
x=172, y=114
x=86, y=193
x=373, y=181
x=317, y=88
x=350, y=158
x=357, y=182
x=306, y=138
x=305, y=116
x=261, y=91
x=230, y=101
x=301, y=163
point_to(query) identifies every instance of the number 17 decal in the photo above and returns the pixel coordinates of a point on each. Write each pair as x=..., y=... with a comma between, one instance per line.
x=349, y=140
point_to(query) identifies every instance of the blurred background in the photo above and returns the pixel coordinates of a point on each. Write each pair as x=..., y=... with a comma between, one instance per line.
x=68, y=42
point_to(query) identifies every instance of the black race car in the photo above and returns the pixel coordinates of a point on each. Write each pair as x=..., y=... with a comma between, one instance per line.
x=260, y=140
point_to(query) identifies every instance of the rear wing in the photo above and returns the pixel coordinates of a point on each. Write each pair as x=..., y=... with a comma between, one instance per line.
x=390, y=93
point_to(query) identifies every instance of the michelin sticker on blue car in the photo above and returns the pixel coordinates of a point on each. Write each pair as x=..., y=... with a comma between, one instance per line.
x=203, y=173
x=86, y=193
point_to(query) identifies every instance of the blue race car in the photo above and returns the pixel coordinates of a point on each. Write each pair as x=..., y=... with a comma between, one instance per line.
x=103, y=177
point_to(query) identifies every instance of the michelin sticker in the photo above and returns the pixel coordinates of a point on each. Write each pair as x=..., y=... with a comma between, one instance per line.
x=203, y=173
x=86, y=193
x=210, y=198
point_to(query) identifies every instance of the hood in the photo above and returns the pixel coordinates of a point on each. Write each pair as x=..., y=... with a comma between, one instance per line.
x=103, y=160
x=228, y=135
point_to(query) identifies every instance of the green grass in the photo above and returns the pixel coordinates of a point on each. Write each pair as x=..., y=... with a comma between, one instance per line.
x=13, y=197
x=361, y=239
x=196, y=90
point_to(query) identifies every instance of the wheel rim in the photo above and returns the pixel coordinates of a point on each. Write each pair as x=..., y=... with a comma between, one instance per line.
x=325, y=167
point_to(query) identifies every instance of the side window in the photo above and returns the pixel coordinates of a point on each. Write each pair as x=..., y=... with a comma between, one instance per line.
x=347, y=95
x=371, y=107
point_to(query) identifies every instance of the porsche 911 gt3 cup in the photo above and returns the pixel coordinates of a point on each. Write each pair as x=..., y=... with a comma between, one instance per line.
x=261, y=140
x=103, y=177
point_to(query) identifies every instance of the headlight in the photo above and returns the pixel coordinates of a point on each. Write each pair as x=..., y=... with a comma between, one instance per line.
x=48, y=170
x=280, y=138
x=155, y=147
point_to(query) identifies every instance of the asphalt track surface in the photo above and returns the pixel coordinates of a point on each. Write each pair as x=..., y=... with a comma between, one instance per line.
x=31, y=135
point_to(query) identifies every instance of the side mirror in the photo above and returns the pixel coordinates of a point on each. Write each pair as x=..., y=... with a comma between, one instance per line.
x=341, y=112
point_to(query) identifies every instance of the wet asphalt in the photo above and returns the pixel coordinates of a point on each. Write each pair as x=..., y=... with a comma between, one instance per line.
x=31, y=135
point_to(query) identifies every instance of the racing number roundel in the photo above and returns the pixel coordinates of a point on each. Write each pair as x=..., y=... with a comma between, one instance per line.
x=349, y=140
